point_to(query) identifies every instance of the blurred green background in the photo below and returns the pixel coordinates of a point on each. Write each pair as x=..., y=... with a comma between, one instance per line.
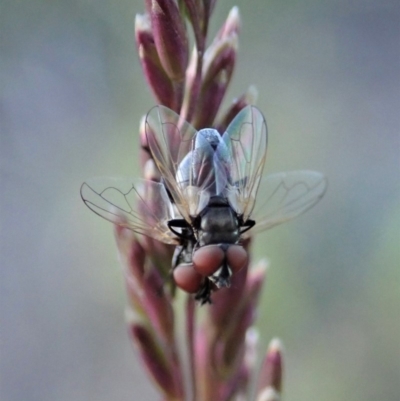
x=72, y=94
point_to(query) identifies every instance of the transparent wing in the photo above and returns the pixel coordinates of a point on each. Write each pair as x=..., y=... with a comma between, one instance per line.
x=186, y=160
x=245, y=149
x=170, y=139
x=201, y=174
x=284, y=196
x=142, y=205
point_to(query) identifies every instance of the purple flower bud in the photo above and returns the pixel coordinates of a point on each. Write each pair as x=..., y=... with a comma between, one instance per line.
x=236, y=385
x=145, y=288
x=192, y=86
x=131, y=253
x=255, y=281
x=210, y=101
x=221, y=55
x=234, y=350
x=272, y=367
x=160, y=253
x=132, y=257
x=170, y=37
x=157, y=78
x=231, y=25
x=235, y=329
x=153, y=357
x=136, y=259
x=196, y=14
x=158, y=304
x=249, y=97
x=219, y=62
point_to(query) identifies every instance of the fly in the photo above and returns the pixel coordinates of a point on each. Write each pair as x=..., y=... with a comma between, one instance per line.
x=205, y=204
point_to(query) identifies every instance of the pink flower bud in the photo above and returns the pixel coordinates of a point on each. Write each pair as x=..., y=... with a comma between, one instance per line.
x=249, y=97
x=132, y=257
x=196, y=14
x=272, y=367
x=219, y=62
x=221, y=55
x=158, y=304
x=210, y=101
x=208, y=381
x=255, y=281
x=154, y=360
x=157, y=78
x=234, y=349
x=231, y=25
x=170, y=37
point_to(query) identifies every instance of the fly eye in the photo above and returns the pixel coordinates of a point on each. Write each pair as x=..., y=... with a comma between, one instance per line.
x=237, y=257
x=187, y=278
x=208, y=259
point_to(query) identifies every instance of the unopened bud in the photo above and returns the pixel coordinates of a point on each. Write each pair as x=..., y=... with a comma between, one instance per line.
x=255, y=281
x=170, y=38
x=158, y=80
x=220, y=55
x=248, y=98
x=231, y=25
x=154, y=360
x=219, y=63
x=272, y=367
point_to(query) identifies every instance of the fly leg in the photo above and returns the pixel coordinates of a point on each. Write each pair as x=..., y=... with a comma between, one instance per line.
x=204, y=293
x=177, y=256
x=222, y=277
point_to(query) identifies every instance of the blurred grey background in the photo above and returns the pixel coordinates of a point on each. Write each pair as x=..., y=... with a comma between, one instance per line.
x=72, y=94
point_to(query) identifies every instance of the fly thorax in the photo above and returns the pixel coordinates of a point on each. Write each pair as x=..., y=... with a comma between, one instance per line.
x=211, y=135
x=218, y=224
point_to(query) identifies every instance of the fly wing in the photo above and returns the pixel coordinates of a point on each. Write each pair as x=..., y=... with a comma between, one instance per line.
x=284, y=196
x=170, y=139
x=201, y=174
x=142, y=206
x=186, y=160
x=245, y=149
